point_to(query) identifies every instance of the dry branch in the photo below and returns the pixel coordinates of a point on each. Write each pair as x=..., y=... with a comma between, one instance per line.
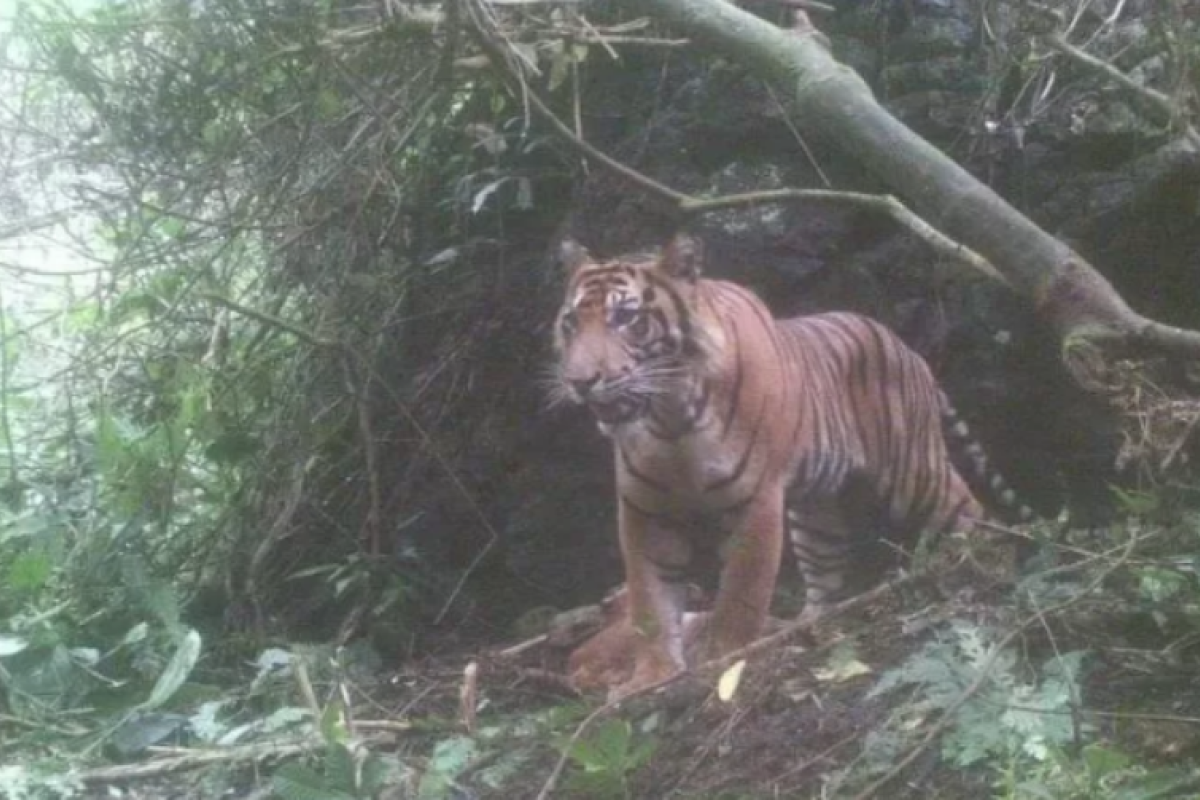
x=197, y=759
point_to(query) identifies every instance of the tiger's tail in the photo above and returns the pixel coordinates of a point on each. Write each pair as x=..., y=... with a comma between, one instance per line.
x=984, y=479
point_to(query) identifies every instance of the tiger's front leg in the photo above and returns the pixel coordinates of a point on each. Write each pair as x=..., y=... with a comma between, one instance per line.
x=656, y=560
x=751, y=567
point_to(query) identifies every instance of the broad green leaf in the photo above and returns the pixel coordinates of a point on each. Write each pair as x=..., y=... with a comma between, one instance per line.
x=1102, y=761
x=180, y=667
x=298, y=782
x=340, y=770
x=450, y=757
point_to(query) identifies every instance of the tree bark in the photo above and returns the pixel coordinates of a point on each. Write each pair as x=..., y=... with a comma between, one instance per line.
x=831, y=100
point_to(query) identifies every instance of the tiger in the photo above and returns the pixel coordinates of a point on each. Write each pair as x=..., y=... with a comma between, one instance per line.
x=732, y=431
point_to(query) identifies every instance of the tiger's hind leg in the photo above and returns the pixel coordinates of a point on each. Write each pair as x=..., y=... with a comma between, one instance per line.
x=823, y=543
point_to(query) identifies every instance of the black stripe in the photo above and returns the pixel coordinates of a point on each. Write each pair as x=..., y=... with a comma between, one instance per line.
x=682, y=312
x=733, y=476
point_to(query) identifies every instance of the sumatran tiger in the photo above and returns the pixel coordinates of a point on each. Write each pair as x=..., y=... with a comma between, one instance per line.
x=730, y=428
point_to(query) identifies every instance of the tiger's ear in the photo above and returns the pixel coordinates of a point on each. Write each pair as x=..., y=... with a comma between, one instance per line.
x=683, y=258
x=572, y=255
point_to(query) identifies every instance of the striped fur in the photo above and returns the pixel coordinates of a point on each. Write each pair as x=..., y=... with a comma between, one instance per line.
x=732, y=431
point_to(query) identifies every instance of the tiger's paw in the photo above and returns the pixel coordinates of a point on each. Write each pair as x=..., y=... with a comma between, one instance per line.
x=645, y=675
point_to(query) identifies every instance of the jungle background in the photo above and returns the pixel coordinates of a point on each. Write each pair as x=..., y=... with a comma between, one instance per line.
x=278, y=480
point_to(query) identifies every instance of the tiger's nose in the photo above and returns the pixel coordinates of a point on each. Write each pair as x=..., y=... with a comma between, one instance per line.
x=584, y=386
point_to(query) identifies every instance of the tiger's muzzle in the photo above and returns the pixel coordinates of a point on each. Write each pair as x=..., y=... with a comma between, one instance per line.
x=608, y=406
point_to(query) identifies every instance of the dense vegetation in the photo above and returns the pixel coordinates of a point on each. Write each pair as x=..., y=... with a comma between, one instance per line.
x=271, y=299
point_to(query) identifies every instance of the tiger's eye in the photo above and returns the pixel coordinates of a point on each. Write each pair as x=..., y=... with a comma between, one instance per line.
x=624, y=315
x=568, y=323
x=640, y=326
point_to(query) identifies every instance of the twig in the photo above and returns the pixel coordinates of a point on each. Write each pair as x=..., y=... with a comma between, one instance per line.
x=521, y=647
x=886, y=204
x=1182, y=439
x=548, y=677
x=361, y=392
x=512, y=76
x=268, y=319
x=1159, y=105
x=196, y=759
x=5, y=425
x=984, y=675
x=807, y=5
x=821, y=756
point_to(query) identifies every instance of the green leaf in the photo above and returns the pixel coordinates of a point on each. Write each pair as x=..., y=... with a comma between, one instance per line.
x=135, y=634
x=1162, y=783
x=376, y=772
x=340, y=770
x=298, y=782
x=602, y=785
x=143, y=730
x=1103, y=761
x=606, y=748
x=29, y=572
x=450, y=757
x=333, y=724
x=187, y=653
x=329, y=104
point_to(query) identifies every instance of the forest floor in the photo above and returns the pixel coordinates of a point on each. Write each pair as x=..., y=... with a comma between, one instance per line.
x=1079, y=679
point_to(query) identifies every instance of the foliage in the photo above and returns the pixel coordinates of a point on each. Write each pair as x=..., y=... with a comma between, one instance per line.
x=605, y=758
x=1009, y=715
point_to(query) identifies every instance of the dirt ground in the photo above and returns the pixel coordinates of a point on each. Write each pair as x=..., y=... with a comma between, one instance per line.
x=804, y=721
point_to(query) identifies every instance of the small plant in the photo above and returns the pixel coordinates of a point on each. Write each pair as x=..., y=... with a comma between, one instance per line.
x=346, y=775
x=606, y=759
x=1008, y=714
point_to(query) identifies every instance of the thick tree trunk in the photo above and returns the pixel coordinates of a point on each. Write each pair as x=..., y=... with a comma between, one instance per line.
x=829, y=99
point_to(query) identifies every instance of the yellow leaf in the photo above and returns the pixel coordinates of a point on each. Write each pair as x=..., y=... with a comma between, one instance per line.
x=851, y=668
x=730, y=678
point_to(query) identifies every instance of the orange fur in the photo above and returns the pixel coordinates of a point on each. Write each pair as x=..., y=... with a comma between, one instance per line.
x=606, y=660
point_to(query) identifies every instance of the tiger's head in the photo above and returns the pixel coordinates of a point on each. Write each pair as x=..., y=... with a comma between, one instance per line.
x=629, y=329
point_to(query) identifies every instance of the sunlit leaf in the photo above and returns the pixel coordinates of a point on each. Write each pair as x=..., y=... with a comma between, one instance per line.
x=730, y=679
x=187, y=653
x=11, y=645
